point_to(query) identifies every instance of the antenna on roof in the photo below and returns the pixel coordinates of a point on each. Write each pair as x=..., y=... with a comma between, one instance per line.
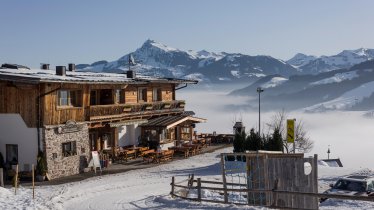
x=131, y=73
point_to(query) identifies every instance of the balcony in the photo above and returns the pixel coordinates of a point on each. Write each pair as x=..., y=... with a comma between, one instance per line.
x=114, y=111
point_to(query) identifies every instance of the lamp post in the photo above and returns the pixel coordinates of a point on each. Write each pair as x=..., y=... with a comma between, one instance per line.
x=259, y=91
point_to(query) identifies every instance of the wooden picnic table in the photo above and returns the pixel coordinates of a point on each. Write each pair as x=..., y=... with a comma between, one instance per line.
x=181, y=149
x=160, y=156
x=127, y=155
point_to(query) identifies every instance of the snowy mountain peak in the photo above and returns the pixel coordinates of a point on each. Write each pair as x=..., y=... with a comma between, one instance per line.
x=153, y=44
x=345, y=59
x=362, y=52
x=301, y=59
x=203, y=54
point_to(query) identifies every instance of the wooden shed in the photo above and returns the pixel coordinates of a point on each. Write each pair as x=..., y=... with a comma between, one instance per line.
x=265, y=170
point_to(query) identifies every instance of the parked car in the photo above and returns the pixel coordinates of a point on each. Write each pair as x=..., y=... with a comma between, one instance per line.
x=352, y=185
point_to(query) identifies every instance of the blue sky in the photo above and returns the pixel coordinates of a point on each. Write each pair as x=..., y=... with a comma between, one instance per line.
x=59, y=32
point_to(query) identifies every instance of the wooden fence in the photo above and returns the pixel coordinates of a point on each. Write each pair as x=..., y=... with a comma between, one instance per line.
x=199, y=187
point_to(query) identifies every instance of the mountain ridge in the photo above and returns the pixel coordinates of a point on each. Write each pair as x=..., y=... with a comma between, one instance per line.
x=157, y=59
x=343, y=89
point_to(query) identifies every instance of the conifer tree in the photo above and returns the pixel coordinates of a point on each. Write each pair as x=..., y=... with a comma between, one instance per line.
x=254, y=141
x=274, y=142
x=239, y=142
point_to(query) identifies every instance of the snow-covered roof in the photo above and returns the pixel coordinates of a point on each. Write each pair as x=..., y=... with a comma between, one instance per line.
x=42, y=76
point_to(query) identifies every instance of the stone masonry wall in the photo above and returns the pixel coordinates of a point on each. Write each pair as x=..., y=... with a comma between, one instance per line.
x=58, y=165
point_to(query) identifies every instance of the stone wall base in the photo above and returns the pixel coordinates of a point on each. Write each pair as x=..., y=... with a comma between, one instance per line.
x=60, y=165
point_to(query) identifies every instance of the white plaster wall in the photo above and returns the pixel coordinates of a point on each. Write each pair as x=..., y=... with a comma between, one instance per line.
x=137, y=133
x=13, y=130
x=128, y=135
x=123, y=136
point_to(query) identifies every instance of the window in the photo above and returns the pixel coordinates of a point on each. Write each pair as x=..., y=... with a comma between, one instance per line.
x=12, y=153
x=185, y=133
x=142, y=94
x=93, y=97
x=371, y=186
x=69, y=149
x=157, y=94
x=70, y=98
x=120, y=96
x=106, y=97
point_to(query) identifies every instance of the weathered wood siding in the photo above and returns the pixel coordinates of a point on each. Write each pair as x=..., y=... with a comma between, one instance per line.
x=291, y=177
x=167, y=93
x=282, y=172
x=53, y=114
x=23, y=99
x=20, y=98
x=131, y=95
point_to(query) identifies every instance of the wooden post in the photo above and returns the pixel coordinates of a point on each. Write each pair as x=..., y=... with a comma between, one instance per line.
x=199, y=189
x=224, y=180
x=172, y=185
x=1, y=177
x=33, y=181
x=16, y=181
x=315, y=178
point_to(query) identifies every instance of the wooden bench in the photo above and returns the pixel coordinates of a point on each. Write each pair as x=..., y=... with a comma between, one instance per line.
x=148, y=155
x=165, y=156
x=185, y=151
x=142, y=151
x=129, y=154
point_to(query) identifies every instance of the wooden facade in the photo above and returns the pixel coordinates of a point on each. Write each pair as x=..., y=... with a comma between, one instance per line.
x=39, y=102
x=68, y=115
x=20, y=98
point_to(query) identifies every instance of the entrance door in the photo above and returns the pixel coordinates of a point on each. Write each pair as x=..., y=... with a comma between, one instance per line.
x=12, y=154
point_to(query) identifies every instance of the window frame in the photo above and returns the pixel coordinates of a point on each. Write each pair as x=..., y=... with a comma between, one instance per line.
x=185, y=132
x=72, y=151
x=11, y=153
x=142, y=94
x=94, y=97
x=120, y=96
x=73, y=98
x=156, y=94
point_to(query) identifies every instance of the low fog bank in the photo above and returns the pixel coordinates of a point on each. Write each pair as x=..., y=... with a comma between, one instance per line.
x=349, y=134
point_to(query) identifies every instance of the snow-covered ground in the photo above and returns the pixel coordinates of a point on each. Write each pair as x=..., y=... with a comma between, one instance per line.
x=149, y=189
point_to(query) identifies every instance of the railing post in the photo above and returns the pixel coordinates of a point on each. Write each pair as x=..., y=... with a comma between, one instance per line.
x=16, y=181
x=199, y=189
x=224, y=180
x=172, y=186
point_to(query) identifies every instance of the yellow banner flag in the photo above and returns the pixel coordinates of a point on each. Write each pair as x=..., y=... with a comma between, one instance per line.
x=291, y=131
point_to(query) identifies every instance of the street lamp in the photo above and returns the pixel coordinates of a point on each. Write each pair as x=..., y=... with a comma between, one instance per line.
x=259, y=91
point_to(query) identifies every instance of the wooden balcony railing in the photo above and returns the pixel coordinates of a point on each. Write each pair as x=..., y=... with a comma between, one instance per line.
x=100, y=112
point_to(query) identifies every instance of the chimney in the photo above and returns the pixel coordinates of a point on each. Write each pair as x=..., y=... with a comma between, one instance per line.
x=45, y=66
x=61, y=70
x=130, y=74
x=71, y=67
